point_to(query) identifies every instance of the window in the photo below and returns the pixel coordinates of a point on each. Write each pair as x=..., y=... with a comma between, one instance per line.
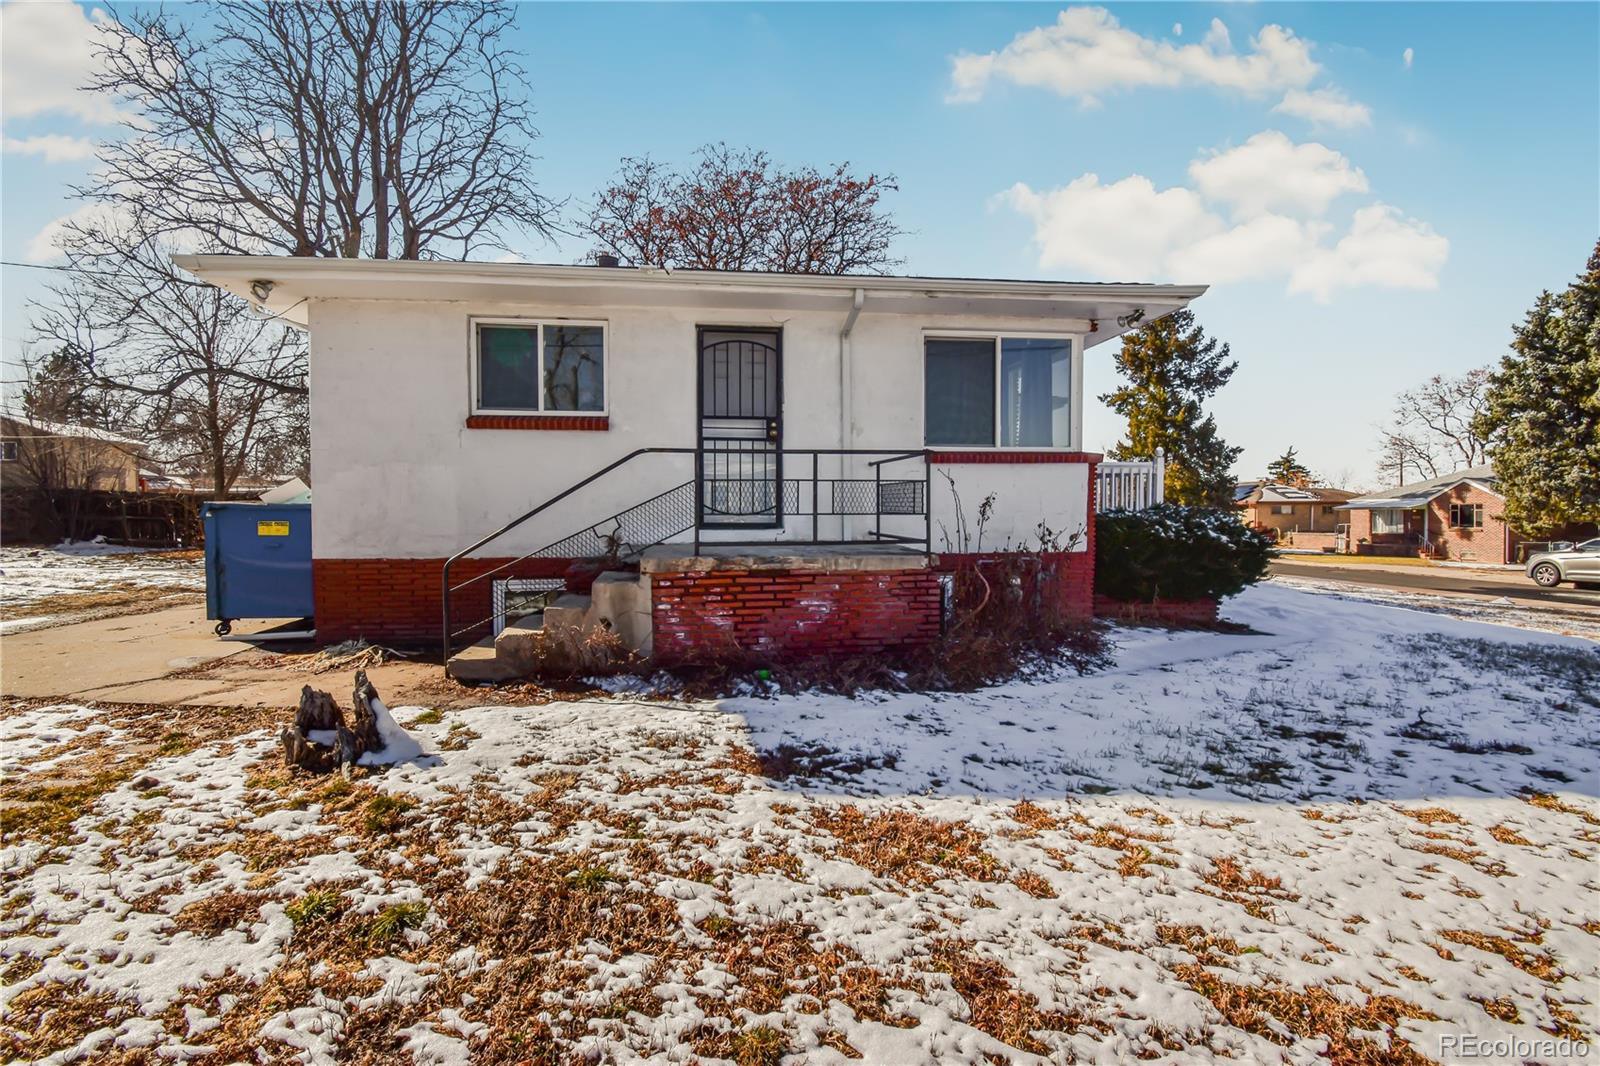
x=998, y=392
x=1466, y=516
x=1327, y=508
x=1388, y=520
x=554, y=367
x=8, y=451
x=1283, y=508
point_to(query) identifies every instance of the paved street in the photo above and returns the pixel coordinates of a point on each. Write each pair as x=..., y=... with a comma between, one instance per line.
x=1488, y=584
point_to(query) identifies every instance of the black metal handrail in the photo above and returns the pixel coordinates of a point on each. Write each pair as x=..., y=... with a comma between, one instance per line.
x=886, y=456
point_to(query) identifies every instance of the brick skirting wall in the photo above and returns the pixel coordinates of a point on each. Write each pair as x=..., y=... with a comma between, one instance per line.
x=1162, y=612
x=1070, y=576
x=398, y=601
x=793, y=613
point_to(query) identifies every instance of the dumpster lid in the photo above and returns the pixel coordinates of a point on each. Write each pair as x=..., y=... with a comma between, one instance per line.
x=292, y=491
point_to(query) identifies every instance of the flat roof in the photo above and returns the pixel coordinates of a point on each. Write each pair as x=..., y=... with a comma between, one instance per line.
x=292, y=282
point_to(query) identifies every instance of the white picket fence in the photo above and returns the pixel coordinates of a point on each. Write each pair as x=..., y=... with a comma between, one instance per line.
x=1131, y=486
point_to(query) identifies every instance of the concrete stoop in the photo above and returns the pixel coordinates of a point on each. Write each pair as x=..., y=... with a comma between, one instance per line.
x=567, y=631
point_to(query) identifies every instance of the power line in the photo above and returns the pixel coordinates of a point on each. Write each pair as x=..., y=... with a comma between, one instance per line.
x=68, y=269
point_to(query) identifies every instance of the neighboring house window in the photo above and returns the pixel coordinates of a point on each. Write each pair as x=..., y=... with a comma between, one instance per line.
x=1327, y=508
x=1466, y=516
x=1389, y=520
x=553, y=367
x=1283, y=508
x=998, y=392
x=8, y=451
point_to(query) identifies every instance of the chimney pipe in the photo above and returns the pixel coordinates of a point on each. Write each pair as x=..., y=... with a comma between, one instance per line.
x=606, y=259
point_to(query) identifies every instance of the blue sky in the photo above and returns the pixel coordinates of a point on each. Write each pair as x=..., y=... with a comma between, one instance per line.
x=1375, y=191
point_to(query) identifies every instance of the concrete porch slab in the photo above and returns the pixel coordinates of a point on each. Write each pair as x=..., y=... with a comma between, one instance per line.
x=813, y=558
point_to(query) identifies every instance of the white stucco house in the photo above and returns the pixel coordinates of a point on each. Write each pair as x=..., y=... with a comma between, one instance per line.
x=781, y=455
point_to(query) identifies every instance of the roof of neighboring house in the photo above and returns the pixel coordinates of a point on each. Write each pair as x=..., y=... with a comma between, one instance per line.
x=1251, y=493
x=68, y=429
x=290, y=282
x=1418, y=493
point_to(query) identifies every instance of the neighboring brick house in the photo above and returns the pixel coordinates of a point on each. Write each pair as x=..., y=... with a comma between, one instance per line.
x=1301, y=516
x=1460, y=515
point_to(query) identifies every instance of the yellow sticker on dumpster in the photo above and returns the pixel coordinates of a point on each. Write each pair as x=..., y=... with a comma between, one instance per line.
x=272, y=529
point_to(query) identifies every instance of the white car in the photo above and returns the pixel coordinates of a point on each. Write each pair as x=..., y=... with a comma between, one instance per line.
x=1579, y=564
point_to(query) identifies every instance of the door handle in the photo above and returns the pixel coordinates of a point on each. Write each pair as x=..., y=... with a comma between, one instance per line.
x=772, y=430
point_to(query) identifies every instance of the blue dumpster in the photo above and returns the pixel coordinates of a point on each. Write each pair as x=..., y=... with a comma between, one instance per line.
x=258, y=561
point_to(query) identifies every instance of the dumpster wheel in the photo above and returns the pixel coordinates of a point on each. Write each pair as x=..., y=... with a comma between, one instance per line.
x=224, y=627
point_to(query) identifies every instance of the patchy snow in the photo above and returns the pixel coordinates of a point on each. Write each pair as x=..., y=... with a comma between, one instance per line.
x=34, y=581
x=398, y=745
x=1356, y=832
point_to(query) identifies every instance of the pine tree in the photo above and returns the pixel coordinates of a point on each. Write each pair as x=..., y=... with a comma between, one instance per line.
x=1543, y=415
x=1287, y=469
x=1171, y=367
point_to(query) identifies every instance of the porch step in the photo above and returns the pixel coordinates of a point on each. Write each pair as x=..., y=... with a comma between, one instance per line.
x=618, y=601
x=479, y=663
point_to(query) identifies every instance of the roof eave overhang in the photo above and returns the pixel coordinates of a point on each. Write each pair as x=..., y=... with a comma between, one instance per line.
x=1071, y=306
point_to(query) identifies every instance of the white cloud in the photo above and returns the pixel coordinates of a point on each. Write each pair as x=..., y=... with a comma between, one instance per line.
x=53, y=147
x=1269, y=172
x=1325, y=107
x=1407, y=56
x=42, y=248
x=1177, y=29
x=1383, y=248
x=1086, y=51
x=1240, y=222
x=46, y=56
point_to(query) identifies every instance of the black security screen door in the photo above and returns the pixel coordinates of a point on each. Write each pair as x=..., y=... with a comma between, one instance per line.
x=741, y=429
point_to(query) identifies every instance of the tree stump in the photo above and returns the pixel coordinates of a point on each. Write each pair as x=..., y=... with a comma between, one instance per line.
x=318, y=713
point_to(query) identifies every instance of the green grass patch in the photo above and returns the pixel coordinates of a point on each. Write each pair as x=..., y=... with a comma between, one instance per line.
x=317, y=906
x=394, y=920
x=593, y=879
x=429, y=717
x=387, y=814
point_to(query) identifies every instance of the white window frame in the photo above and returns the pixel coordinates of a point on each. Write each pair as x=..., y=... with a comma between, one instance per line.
x=537, y=324
x=517, y=584
x=1399, y=521
x=1075, y=401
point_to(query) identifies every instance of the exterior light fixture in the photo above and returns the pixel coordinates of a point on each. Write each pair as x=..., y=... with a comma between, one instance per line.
x=261, y=290
x=1131, y=319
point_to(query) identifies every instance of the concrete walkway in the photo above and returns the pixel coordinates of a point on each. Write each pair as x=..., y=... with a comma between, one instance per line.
x=172, y=657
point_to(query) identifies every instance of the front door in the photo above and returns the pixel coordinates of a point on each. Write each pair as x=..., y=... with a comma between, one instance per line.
x=741, y=428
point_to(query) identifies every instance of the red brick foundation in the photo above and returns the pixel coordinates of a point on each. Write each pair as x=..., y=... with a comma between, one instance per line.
x=793, y=613
x=1068, y=576
x=1162, y=612
x=398, y=601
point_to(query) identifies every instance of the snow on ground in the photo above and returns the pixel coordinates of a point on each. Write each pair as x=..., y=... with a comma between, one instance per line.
x=1502, y=610
x=40, y=586
x=1358, y=833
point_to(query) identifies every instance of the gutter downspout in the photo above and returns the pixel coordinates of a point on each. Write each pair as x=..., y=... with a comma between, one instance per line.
x=846, y=392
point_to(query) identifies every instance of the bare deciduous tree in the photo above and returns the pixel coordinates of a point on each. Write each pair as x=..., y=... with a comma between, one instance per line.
x=200, y=374
x=333, y=128
x=737, y=210
x=1432, y=431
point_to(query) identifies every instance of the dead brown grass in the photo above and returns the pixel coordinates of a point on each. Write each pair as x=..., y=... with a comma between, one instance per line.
x=906, y=846
x=1546, y=801
x=995, y=1006
x=216, y=914
x=1507, y=835
x=1535, y=964
x=1310, y=1013
x=1251, y=889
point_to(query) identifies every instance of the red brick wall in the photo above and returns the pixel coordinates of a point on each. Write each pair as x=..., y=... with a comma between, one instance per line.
x=1163, y=612
x=797, y=613
x=398, y=601
x=1486, y=545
